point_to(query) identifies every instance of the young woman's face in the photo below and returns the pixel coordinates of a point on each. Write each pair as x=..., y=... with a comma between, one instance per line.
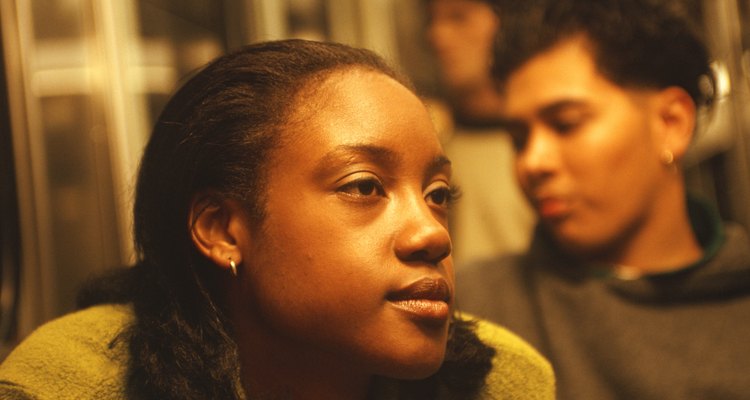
x=351, y=263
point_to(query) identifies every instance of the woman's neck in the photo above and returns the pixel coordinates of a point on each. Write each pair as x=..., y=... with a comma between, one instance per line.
x=294, y=381
x=276, y=367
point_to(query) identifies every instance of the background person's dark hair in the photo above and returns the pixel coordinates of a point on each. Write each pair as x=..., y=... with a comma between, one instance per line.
x=634, y=43
x=215, y=136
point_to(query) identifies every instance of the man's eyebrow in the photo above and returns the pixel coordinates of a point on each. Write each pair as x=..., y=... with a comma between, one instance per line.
x=546, y=112
x=557, y=107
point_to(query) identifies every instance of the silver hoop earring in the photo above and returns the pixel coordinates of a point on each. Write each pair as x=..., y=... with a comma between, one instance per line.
x=233, y=267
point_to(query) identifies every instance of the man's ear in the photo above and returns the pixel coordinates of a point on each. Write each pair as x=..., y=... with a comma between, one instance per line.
x=676, y=113
x=216, y=228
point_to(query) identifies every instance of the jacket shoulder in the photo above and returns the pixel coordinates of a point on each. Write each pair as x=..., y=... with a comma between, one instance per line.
x=77, y=356
x=518, y=370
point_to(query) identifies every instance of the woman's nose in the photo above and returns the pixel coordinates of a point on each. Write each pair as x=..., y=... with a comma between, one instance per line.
x=422, y=237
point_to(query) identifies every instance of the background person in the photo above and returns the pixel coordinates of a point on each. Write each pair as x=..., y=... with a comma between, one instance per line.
x=291, y=222
x=632, y=289
x=492, y=217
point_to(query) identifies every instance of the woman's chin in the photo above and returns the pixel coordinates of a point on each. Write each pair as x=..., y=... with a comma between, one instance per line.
x=418, y=366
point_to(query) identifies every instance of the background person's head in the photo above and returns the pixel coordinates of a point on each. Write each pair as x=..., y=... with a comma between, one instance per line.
x=316, y=171
x=461, y=34
x=601, y=100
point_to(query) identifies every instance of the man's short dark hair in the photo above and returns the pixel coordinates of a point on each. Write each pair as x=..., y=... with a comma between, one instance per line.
x=634, y=43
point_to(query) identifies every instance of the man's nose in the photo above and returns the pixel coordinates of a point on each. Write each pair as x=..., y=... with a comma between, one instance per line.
x=539, y=156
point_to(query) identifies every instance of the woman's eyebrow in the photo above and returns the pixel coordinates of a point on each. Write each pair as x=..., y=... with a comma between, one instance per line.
x=387, y=158
x=350, y=153
x=438, y=164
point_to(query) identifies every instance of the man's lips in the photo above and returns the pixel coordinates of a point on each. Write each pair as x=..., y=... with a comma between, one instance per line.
x=552, y=207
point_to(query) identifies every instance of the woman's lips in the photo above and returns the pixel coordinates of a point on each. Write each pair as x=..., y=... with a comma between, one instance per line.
x=426, y=299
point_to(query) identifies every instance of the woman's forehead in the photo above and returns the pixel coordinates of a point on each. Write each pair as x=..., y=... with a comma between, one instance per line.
x=361, y=108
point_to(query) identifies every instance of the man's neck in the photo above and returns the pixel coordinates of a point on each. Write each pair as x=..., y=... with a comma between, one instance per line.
x=665, y=243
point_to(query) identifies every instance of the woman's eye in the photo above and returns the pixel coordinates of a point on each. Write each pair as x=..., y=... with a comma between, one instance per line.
x=363, y=188
x=443, y=196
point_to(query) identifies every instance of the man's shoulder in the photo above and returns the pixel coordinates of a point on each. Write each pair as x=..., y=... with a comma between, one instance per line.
x=737, y=245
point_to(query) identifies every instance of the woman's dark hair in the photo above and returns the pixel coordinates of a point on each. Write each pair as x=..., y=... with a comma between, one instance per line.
x=215, y=135
x=634, y=43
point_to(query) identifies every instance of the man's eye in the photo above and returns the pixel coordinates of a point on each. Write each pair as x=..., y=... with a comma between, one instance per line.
x=564, y=126
x=363, y=188
x=569, y=122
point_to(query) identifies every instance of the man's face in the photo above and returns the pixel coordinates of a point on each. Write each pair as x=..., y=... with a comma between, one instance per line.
x=588, y=150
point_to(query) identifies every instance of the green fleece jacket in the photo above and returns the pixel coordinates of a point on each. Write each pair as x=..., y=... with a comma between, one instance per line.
x=79, y=356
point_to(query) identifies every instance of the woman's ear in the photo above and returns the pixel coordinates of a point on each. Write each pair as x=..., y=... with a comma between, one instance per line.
x=677, y=113
x=215, y=228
